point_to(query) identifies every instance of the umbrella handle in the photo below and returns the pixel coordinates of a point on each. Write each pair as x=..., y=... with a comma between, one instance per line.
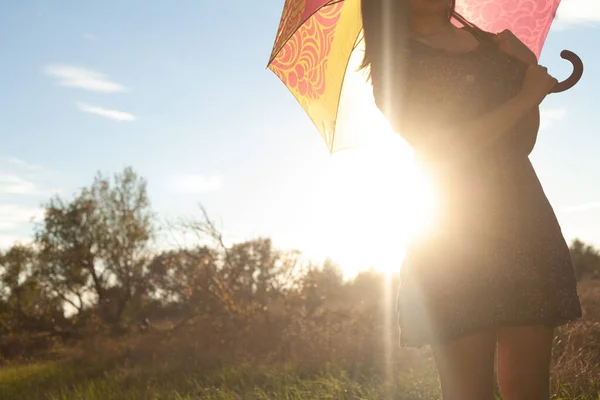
x=575, y=75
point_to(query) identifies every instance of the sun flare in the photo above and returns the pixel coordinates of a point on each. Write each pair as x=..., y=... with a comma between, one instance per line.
x=373, y=197
x=377, y=199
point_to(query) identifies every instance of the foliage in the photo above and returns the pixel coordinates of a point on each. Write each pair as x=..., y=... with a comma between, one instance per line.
x=185, y=321
x=25, y=302
x=586, y=259
x=94, y=249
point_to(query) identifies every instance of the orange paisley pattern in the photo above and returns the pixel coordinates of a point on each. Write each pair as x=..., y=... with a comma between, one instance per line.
x=302, y=62
x=293, y=11
x=529, y=20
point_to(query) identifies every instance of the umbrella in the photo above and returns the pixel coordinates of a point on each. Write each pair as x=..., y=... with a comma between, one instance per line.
x=317, y=41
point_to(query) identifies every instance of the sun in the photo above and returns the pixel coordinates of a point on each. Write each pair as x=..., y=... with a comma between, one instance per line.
x=375, y=199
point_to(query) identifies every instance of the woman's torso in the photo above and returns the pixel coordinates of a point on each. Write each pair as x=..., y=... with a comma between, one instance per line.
x=497, y=187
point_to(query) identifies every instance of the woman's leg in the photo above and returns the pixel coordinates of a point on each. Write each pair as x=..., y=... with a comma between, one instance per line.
x=466, y=367
x=524, y=355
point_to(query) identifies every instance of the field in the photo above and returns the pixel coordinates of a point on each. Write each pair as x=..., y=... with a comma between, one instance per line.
x=55, y=380
x=154, y=366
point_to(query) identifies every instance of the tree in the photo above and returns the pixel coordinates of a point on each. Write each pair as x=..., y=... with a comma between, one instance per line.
x=27, y=302
x=219, y=280
x=124, y=231
x=94, y=249
x=322, y=285
x=70, y=251
x=186, y=277
x=16, y=266
x=586, y=260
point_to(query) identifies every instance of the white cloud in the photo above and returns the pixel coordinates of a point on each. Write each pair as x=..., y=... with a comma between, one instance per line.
x=194, y=184
x=14, y=184
x=89, y=36
x=19, y=188
x=17, y=162
x=82, y=78
x=551, y=116
x=577, y=12
x=582, y=207
x=20, y=178
x=12, y=216
x=103, y=112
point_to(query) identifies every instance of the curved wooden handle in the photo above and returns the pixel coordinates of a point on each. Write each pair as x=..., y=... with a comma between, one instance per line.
x=575, y=75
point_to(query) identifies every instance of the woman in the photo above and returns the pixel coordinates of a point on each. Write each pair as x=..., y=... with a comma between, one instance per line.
x=494, y=270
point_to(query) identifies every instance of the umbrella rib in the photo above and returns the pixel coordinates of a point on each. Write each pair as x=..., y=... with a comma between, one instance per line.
x=277, y=51
x=337, y=111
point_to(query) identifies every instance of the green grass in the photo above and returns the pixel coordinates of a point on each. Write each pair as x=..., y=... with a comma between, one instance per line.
x=56, y=381
x=62, y=381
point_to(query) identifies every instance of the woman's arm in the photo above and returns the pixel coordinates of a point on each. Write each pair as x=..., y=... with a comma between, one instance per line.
x=477, y=134
x=510, y=44
x=528, y=127
x=472, y=137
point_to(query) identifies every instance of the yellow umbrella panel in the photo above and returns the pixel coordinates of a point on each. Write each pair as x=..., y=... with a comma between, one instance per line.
x=311, y=55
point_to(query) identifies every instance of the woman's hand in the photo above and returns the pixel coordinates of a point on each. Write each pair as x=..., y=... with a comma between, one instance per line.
x=511, y=44
x=536, y=85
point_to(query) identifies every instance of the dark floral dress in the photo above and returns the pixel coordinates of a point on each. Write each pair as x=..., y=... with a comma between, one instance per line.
x=495, y=254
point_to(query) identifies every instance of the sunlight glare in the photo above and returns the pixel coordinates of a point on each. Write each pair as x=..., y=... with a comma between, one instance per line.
x=374, y=197
x=377, y=199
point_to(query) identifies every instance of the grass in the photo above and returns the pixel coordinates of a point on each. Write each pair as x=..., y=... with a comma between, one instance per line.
x=62, y=381
x=57, y=381
x=339, y=359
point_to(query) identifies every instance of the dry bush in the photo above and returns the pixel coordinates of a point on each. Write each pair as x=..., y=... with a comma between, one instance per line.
x=589, y=292
x=25, y=346
x=577, y=345
x=577, y=355
x=310, y=332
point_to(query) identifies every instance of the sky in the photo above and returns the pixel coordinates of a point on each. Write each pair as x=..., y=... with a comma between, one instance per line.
x=180, y=91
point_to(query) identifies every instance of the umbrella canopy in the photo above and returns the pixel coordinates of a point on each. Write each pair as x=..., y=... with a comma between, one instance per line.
x=317, y=41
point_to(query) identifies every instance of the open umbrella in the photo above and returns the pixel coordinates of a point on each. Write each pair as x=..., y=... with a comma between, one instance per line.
x=317, y=40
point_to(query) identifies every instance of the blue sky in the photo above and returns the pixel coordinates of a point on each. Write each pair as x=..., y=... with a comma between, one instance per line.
x=180, y=92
